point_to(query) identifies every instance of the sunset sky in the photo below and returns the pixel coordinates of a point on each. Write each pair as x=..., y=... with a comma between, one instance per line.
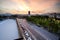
x=36, y=6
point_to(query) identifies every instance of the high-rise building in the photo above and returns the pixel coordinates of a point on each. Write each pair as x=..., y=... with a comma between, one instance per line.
x=28, y=13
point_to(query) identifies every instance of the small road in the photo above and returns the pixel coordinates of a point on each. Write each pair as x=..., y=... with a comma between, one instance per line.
x=37, y=33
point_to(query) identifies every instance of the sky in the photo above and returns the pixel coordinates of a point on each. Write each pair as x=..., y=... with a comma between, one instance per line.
x=35, y=6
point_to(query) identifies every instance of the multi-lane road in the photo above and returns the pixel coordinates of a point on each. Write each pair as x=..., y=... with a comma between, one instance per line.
x=36, y=33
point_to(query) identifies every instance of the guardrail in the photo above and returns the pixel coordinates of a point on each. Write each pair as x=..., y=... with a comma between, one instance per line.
x=20, y=30
x=23, y=33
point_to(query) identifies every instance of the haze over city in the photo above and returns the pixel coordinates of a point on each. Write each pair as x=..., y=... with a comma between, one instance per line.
x=29, y=19
x=35, y=6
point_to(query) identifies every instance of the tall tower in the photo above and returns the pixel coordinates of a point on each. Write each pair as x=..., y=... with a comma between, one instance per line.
x=28, y=13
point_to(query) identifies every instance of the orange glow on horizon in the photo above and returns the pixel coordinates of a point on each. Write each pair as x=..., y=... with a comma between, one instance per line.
x=35, y=6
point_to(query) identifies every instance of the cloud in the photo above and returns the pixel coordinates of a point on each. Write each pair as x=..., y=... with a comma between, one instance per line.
x=33, y=5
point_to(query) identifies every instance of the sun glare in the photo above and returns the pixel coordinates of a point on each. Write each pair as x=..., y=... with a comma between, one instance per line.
x=23, y=8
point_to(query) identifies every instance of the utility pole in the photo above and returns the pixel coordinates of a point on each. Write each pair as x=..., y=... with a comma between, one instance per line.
x=55, y=15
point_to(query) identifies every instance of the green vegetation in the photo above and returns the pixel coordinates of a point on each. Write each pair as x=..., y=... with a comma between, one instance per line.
x=51, y=24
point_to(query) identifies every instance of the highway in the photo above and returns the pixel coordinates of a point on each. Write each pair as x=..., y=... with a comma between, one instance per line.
x=36, y=33
x=42, y=32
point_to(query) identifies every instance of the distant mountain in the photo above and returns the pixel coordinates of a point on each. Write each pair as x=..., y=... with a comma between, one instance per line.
x=5, y=14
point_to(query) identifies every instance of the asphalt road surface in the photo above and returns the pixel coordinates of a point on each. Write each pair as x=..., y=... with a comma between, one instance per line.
x=37, y=32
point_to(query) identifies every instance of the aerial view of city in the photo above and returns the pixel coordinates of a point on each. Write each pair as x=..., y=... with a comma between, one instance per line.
x=29, y=19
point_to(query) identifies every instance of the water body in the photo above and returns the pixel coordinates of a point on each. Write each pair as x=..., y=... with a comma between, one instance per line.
x=8, y=30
